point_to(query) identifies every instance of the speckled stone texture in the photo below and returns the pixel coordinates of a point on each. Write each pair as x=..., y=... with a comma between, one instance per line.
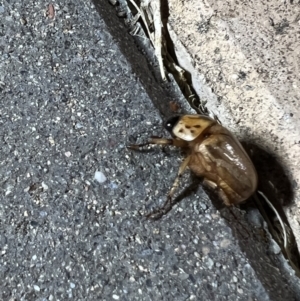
x=244, y=56
x=69, y=103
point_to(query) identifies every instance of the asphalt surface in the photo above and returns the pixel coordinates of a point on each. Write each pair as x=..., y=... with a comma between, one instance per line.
x=74, y=90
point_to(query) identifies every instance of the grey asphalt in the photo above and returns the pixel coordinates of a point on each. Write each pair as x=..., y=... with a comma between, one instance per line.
x=74, y=90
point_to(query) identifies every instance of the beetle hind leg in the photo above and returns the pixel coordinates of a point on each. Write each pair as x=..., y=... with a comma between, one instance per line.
x=157, y=214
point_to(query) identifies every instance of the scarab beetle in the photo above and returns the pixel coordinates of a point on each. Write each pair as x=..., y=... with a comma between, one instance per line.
x=213, y=154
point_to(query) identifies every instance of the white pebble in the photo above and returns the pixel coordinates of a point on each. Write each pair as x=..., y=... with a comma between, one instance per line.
x=225, y=243
x=68, y=154
x=100, y=177
x=116, y=297
x=209, y=263
x=51, y=140
x=45, y=186
x=36, y=288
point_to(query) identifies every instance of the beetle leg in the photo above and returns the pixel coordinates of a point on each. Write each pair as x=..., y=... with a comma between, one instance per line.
x=164, y=141
x=159, y=141
x=218, y=188
x=181, y=170
x=157, y=214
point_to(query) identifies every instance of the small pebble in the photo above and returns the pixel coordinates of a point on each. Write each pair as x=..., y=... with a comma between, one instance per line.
x=68, y=154
x=209, y=263
x=45, y=186
x=205, y=250
x=100, y=177
x=51, y=140
x=113, y=185
x=183, y=276
x=225, y=243
x=43, y=213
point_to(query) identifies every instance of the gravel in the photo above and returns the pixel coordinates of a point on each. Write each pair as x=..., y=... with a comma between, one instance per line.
x=70, y=101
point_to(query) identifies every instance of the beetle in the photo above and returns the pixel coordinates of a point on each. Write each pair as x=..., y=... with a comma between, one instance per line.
x=213, y=154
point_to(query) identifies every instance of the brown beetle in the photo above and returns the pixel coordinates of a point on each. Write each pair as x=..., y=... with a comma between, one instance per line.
x=213, y=154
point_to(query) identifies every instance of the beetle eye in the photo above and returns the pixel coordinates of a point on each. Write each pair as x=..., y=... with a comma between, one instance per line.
x=171, y=123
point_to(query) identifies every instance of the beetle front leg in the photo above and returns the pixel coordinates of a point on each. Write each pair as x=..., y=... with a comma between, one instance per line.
x=159, y=141
x=157, y=214
x=153, y=140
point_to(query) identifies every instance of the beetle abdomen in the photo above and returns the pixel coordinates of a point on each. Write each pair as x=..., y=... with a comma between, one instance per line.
x=223, y=163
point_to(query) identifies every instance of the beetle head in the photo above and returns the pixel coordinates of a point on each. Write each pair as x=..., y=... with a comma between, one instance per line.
x=170, y=123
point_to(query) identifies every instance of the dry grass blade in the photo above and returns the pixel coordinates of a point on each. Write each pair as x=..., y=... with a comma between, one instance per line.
x=278, y=216
x=286, y=239
x=144, y=20
x=150, y=12
x=158, y=39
